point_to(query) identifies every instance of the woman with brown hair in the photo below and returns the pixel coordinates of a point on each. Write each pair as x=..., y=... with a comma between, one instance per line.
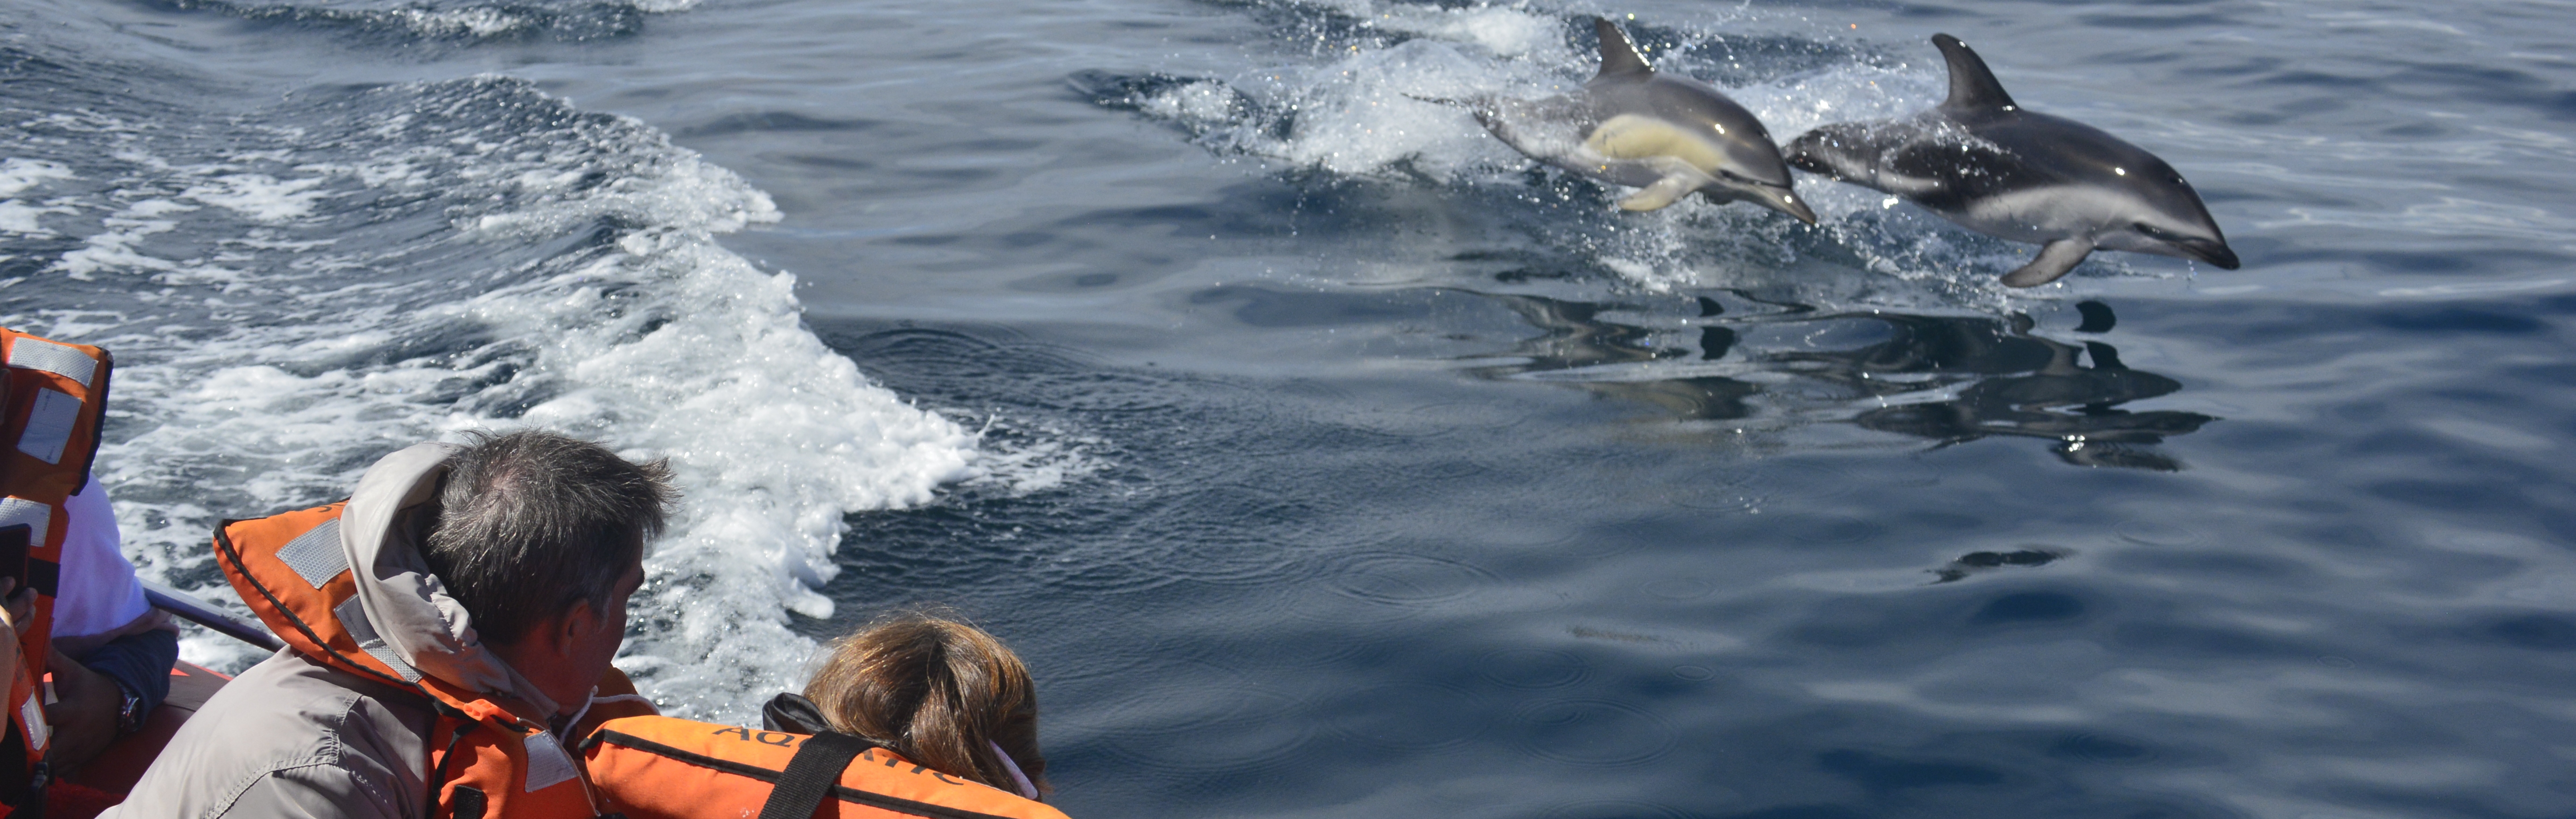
x=942, y=693
x=918, y=713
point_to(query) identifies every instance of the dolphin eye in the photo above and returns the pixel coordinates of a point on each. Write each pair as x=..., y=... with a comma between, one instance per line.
x=2153, y=232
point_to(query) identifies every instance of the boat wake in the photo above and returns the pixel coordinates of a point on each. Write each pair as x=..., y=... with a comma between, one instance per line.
x=293, y=289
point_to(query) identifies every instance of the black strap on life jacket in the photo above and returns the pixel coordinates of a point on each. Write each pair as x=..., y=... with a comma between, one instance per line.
x=810, y=775
x=469, y=802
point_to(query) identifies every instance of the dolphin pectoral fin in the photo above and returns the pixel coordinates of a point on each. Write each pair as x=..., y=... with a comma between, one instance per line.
x=1664, y=192
x=2055, y=258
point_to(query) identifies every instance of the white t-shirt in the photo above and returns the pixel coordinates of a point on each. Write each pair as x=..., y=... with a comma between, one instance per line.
x=98, y=592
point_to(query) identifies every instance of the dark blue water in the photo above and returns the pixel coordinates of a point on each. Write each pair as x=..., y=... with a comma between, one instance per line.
x=1327, y=459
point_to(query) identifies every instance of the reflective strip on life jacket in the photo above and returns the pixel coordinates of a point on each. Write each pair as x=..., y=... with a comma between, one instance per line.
x=53, y=399
x=488, y=757
x=665, y=768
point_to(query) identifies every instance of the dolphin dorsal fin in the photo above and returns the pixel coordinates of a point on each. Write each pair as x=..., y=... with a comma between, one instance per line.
x=1972, y=86
x=1618, y=56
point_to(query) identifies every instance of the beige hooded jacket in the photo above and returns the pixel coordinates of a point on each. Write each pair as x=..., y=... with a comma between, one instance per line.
x=292, y=737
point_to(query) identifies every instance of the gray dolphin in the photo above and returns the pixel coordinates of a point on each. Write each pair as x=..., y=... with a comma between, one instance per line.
x=1987, y=164
x=1635, y=127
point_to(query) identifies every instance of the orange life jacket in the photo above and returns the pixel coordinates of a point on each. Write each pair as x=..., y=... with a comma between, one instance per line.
x=489, y=755
x=53, y=404
x=665, y=768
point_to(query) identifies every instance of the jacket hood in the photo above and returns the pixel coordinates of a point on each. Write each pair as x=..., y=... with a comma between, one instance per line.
x=408, y=607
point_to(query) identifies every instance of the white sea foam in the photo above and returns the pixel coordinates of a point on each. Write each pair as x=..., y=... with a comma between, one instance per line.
x=1365, y=114
x=1374, y=110
x=1028, y=461
x=114, y=248
x=259, y=196
x=286, y=326
x=16, y=176
x=20, y=217
x=479, y=22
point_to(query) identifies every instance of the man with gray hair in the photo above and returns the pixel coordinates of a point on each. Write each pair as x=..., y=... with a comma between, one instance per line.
x=449, y=628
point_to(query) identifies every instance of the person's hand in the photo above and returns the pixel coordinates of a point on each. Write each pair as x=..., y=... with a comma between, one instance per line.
x=20, y=608
x=83, y=714
x=9, y=664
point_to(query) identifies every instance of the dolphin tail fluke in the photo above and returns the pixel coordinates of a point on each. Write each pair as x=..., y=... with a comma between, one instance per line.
x=1618, y=56
x=2055, y=259
x=1664, y=192
x=1972, y=85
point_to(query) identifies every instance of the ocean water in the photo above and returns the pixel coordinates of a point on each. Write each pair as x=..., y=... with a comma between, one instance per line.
x=1326, y=458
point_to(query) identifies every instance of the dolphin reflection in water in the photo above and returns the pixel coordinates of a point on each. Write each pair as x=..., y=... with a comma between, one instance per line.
x=2057, y=399
x=1578, y=338
x=2008, y=382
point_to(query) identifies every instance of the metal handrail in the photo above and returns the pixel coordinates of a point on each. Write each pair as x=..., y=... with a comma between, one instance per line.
x=187, y=607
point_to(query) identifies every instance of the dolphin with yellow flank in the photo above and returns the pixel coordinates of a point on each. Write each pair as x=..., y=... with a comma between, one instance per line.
x=1631, y=125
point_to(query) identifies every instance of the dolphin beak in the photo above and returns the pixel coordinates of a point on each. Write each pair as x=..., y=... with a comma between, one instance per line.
x=1783, y=200
x=2213, y=252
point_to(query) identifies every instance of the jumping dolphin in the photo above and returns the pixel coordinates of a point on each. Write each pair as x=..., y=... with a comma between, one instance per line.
x=1635, y=127
x=1987, y=164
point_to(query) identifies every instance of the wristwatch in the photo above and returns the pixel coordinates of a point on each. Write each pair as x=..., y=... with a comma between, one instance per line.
x=129, y=714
